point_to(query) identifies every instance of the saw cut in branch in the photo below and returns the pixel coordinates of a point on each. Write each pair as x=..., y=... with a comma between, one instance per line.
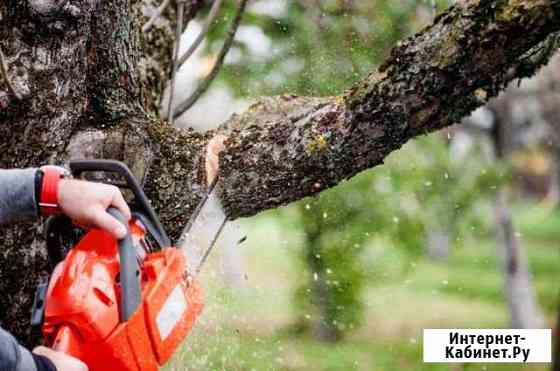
x=4, y=71
x=155, y=16
x=205, y=84
x=214, y=11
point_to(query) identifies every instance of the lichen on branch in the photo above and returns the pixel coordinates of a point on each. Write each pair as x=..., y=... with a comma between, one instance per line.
x=289, y=147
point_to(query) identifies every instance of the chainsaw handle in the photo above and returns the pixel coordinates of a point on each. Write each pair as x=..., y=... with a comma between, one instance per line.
x=129, y=270
x=77, y=167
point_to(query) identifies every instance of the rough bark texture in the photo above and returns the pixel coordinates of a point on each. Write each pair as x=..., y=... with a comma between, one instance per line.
x=91, y=83
x=286, y=148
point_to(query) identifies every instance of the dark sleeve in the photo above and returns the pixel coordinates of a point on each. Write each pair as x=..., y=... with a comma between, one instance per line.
x=17, y=195
x=14, y=357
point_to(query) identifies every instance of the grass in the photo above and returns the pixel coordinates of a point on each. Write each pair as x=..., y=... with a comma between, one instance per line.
x=247, y=326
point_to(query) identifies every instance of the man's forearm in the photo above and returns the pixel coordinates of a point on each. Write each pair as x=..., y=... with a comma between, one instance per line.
x=17, y=202
x=14, y=357
x=17, y=195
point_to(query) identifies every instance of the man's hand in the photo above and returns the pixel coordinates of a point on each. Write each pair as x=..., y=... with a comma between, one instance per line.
x=61, y=361
x=86, y=203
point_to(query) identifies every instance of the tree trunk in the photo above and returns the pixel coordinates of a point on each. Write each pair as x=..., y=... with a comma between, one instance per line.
x=438, y=244
x=548, y=95
x=519, y=290
x=518, y=284
x=321, y=297
x=553, y=194
x=91, y=82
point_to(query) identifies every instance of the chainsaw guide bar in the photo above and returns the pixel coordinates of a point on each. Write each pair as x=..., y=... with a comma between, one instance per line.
x=203, y=229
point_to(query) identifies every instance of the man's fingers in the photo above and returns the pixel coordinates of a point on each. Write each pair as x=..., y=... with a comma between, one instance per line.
x=119, y=202
x=101, y=219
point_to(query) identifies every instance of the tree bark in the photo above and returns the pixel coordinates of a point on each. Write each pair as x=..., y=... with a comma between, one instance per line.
x=91, y=83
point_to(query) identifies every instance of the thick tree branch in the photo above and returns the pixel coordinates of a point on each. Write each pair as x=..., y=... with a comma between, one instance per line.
x=286, y=148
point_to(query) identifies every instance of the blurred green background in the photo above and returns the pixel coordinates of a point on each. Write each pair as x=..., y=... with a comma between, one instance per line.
x=349, y=279
x=252, y=328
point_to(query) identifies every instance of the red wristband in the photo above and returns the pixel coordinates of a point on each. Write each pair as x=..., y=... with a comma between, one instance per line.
x=48, y=200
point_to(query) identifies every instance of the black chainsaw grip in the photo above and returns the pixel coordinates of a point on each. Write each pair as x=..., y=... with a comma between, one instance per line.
x=130, y=271
x=111, y=166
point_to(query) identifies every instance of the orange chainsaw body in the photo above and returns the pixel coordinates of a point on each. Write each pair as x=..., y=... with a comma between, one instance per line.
x=82, y=315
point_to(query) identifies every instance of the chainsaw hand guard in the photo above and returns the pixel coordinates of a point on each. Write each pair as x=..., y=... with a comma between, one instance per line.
x=130, y=271
x=78, y=167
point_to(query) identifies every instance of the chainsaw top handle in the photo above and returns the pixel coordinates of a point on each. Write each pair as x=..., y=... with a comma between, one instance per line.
x=129, y=271
x=77, y=167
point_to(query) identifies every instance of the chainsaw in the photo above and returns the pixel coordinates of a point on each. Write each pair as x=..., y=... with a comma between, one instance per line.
x=121, y=305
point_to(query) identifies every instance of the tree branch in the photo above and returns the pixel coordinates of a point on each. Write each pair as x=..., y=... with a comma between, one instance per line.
x=156, y=15
x=285, y=148
x=178, y=34
x=214, y=11
x=205, y=84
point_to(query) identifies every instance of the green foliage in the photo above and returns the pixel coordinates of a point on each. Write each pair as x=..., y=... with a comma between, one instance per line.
x=421, y=188
x=538, y=222
x=330, y=299
x=242, y=327
x=453, y=192
x=318, y=47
